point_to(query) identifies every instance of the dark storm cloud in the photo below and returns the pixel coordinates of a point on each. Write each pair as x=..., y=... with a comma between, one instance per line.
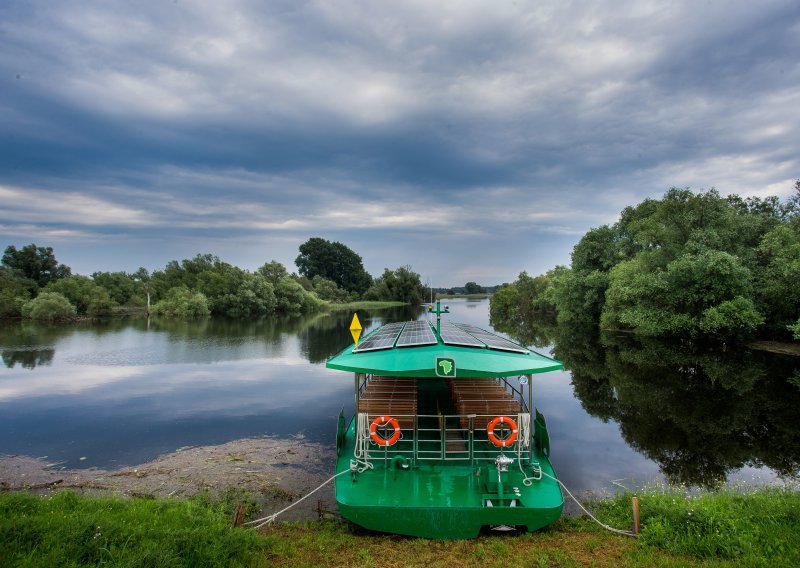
x=498, y=131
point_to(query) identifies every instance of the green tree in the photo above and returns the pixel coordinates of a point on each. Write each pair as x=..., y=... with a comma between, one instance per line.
x=399, y=285
x=273, y=271
x=696, y=293
x=777, y=281
x=39, y=264
x=234, y=292
x=142, y=279
x=84, y=294
x=182, y=303
x=334, y=261
x=184, y=273
x=473, y=288
x=14, y=292
x=328, y=290
x=121, y=286
x=48, y=306
x=293, y=299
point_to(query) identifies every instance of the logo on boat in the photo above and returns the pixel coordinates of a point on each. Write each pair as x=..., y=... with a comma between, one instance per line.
x=445, y=367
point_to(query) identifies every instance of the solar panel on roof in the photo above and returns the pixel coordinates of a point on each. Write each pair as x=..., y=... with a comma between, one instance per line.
x=490, y=339
x=451, y=335
x=416, y=333
x=383, y=338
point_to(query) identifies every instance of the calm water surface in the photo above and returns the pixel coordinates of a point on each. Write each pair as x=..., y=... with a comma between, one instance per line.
x=124, y=392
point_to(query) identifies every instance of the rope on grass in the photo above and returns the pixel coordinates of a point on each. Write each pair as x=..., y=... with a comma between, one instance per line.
x=271, y=518
x=585, y=510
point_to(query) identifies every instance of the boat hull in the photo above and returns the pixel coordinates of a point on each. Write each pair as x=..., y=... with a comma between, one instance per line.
x=443, y=499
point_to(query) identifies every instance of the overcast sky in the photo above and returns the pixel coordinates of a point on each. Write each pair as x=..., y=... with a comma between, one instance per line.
x=471, y=140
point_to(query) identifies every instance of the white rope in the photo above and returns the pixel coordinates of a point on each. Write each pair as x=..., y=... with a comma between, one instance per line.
x=524, y=442
x=585, y=510
x=361, y=451
x=271, y=518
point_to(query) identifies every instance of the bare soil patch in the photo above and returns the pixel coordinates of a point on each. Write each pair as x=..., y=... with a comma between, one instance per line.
x=275, y=471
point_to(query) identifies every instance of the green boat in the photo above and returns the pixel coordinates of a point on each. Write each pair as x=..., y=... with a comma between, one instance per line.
x=444, y=442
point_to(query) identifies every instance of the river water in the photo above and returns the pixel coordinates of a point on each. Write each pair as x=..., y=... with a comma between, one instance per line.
x=122, y=392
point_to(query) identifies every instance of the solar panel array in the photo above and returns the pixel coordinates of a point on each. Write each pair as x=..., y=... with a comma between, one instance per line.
x=490, y=339
x=384, y=338
x=452, y=335
x=416, y=333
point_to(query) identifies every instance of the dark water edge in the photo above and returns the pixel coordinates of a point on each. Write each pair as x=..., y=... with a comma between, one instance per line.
x=625, y=412
x=700, y=411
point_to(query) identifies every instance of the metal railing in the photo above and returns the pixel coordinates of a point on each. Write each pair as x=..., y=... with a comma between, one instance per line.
x=448, y=438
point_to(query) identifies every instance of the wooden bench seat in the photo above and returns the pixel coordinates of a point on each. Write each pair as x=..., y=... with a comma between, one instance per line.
x=390, y=396
x=485, y=398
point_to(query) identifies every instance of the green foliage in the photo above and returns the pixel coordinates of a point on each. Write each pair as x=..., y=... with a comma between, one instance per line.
x=579, y=298
x=273, y=271
x=293, y=299
x=400, y=285
x=795, y=329
x=706, y=293
x=121, y=286
x=89, y=298
x=48, y=306
x=180, y=302
x=754, y=528
x=473, y=288
x=777, y=283
x=328, y=290
x=14, y=292
x=38, y=264
x=235, y=293
x=597, y=250
x=504, y=305
x=688, y=265
x=70, y=531
x=184, y=273
x=526, y=299
x=334, y=261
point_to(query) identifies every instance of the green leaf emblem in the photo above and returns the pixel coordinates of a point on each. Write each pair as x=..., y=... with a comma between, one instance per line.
x=445, y=367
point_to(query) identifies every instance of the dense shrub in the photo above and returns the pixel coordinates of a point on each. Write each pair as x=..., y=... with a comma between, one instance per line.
x=180, y=302
x=48, y=306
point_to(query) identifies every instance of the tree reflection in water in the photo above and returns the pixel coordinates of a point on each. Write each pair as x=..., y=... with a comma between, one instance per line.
x=699, y=411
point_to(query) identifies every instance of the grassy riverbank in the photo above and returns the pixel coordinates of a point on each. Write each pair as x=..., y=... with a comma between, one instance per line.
x=727, y=528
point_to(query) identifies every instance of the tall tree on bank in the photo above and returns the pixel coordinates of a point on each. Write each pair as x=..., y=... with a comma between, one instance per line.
x=688, y=265
x=38, y=264
x=333, y=261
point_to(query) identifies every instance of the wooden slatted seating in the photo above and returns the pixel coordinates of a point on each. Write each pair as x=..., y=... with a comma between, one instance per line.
x=390, y=396
x=485, y=398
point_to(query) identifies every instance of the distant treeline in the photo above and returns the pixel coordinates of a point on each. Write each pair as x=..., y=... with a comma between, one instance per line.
x=467, y=289
x=33, y=284
x=689, y=265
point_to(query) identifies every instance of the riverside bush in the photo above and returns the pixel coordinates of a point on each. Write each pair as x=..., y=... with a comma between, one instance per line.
x=48, y=306
x=180, y=302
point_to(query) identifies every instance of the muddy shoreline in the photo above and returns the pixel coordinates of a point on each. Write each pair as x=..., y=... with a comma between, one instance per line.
x=274, y=471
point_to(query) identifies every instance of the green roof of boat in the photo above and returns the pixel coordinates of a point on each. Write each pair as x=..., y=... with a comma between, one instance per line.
x=440, y=359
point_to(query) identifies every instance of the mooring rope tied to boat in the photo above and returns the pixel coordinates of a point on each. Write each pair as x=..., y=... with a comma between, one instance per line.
x=271, y=518
x=585, y=510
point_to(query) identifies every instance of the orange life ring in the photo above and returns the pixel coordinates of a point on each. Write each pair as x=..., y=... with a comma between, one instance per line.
x=502, y=443
x=382, y=421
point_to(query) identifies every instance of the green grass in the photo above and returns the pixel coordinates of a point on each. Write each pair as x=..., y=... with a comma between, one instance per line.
x=365, y=305
x=727, y=528
x=751, y=527
x=66, y=530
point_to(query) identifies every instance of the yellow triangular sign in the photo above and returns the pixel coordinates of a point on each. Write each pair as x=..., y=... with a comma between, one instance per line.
x=355, y=329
